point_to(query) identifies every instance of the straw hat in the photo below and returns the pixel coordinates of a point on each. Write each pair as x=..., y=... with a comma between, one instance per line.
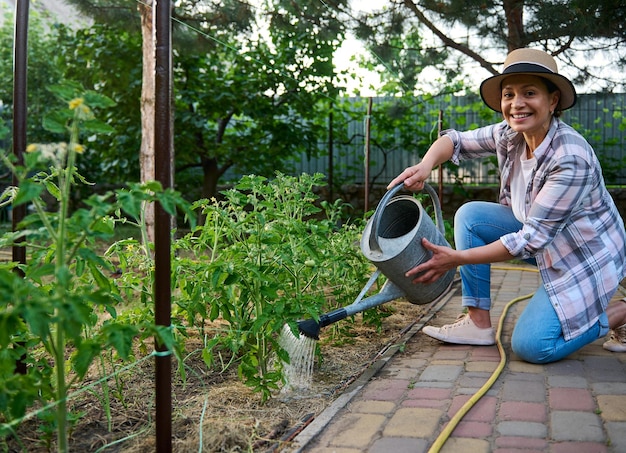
x=533, y=62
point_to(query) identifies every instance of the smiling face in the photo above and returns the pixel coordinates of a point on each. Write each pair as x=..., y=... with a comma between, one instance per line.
x=527, y=106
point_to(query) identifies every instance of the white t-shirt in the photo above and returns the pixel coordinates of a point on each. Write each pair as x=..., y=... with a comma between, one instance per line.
x=522, y=172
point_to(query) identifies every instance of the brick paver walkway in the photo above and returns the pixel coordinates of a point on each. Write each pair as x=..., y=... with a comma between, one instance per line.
x=405, y=401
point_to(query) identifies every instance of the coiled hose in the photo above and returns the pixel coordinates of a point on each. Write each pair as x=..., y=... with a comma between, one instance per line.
x=454, y=421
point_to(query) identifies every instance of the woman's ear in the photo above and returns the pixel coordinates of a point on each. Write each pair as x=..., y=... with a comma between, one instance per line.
x=555, y=97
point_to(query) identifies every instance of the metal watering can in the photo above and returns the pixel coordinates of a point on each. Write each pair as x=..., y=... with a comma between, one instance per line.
x=392, y=241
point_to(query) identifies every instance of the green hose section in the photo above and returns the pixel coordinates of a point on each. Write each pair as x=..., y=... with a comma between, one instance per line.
x=454, y=421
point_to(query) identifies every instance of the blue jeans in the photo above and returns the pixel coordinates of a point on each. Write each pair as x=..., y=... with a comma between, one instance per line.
x=538, y=335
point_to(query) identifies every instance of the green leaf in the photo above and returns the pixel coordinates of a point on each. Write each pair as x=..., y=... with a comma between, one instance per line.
x=102, y=281
x=57, y=121
x=97, y=127
x=10, y=324
x=207, y=356
x=129, y=203
x=36, y=273
x=120, y=336
x=84, y=355
x=95, y=99
x=28, y=191
x=66, y=91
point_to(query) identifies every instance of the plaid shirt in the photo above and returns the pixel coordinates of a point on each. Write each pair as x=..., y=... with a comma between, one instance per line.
x=573, y=228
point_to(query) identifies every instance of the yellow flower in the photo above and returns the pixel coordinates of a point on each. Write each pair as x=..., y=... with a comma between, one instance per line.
x=76, y=102
x=79, y=148
x=31, y=148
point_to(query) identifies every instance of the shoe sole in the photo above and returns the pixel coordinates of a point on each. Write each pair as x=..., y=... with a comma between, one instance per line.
x=614, y=347
x=434, y=333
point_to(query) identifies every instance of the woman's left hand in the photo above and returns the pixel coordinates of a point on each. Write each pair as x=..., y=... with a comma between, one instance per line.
x=443, y=259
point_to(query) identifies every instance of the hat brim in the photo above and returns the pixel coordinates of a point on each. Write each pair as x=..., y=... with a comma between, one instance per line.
x=491, y=89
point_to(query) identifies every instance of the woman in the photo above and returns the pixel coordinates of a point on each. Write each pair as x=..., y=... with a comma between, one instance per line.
x=553, y=210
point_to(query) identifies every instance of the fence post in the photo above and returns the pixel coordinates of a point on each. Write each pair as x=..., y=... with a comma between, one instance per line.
x=162, y=220
x=368, y=121
x=20, y=71
x=439, y=129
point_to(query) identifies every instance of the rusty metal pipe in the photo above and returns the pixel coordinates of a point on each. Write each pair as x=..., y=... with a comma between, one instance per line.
x=20, y=83
x=162, y=228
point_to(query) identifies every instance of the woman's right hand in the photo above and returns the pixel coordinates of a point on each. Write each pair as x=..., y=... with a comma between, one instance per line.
x=412, y=177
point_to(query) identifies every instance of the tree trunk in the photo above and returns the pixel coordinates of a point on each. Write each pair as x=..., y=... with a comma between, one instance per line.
x=513, y=10
x=210, y=176
x=146, y=153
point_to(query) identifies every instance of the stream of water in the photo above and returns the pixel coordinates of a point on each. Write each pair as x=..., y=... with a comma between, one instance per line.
x=299, y=372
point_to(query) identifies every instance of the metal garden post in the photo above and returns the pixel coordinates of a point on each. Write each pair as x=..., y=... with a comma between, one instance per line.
x=162, y=240
x=20, y=62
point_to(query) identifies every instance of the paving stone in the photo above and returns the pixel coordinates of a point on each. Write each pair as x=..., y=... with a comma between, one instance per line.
x=567, y=381
x=604, y=369
x=609, y=388
x=523, y=390
x=478, y=430
x=576, y=426
x=522, y=429
x=475, y=381
x=372, y=407
x=431, y=393
x=617, y=436
x=355, y=430
x=434, y=404
x=484, y=410
x=432, y=384
x=398, y=445
x=481, y=366
x=524, y=367
x=523, y=411
x=337, y=450
x=386, y=389
x=612, y=407
x=466, y=445
x=413, y=422
x=579, y=447
x=490, y=354
x=526, y=376
x=525, y=443
x=445, y=373
x=405, y=369
x=451, y=354
x=565, y=367
x=398, y=373
x=493, y=391
x=571, y=399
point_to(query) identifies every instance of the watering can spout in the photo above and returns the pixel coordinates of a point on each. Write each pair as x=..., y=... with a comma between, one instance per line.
x=388, y=292
x=311, y=328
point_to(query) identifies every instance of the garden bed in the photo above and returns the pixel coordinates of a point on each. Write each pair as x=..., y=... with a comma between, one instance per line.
x=215, y=409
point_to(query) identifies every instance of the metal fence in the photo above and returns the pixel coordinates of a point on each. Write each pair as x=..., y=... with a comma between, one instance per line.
x=601, y=118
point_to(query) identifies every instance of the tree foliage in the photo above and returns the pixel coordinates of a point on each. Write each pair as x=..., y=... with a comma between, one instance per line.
x=587, y=36
x=249, y=82
x=42, y=55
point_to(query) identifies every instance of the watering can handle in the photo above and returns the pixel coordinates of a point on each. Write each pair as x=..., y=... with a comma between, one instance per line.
x=378, y=214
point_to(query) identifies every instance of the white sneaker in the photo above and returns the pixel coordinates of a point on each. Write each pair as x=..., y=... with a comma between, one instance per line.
x=617, y=341
x=463, y=331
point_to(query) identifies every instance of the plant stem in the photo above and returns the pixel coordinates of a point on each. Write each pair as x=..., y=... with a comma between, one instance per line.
x=65, y=184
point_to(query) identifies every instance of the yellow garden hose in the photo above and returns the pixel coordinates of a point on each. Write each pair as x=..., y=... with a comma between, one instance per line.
x=454, y=421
